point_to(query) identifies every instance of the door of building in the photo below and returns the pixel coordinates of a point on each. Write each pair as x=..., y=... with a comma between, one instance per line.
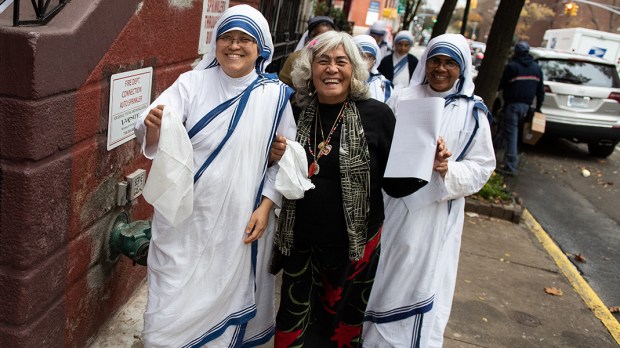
x=286, y=21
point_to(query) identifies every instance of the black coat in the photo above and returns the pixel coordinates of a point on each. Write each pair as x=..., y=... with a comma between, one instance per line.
x=522, y=81
x=386, y=67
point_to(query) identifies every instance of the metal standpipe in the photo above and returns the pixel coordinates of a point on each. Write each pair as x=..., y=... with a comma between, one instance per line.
x=130, y=239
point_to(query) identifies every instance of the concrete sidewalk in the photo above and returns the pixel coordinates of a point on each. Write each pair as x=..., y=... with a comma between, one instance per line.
x=500, y=298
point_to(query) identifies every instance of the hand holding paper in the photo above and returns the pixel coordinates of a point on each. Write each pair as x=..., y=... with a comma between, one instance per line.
x=415, y=145
x=441, y=157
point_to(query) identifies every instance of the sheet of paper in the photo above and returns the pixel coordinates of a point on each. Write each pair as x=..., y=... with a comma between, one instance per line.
x=415, y=138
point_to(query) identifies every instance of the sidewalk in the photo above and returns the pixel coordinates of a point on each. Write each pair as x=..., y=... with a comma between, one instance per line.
x=500, y=298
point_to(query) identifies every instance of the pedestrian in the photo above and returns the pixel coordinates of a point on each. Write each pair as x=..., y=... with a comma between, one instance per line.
x=379, y=31
x=411, y=300
x=205, y=274
x=316, y=26
x=521, y=82
x=399, y=66
x=328, y=241
x=380, y=88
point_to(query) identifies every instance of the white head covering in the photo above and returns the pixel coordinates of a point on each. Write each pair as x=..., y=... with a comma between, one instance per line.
x=367, y=44
x=250, y=21
x=378, y=28
x=403, y=35
x=454, y=46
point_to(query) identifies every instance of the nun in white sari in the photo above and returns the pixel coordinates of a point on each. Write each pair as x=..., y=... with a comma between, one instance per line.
x=379, y=87
x=207, y=273
x=411, y=299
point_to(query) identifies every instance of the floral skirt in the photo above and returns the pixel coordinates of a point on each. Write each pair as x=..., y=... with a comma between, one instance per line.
x=324, y=295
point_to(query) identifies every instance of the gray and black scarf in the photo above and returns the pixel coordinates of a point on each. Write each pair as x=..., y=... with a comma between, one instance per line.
x=355, y=180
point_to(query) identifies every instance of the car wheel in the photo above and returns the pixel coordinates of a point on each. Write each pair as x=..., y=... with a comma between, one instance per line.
x=601, y=149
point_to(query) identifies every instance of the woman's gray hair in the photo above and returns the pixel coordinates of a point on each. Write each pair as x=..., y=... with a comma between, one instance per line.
x=302, y=71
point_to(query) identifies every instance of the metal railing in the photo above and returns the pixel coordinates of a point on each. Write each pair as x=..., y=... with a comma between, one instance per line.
x=41, y=10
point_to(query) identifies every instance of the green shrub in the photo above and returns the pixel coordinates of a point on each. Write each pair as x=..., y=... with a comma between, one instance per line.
x=495, y=189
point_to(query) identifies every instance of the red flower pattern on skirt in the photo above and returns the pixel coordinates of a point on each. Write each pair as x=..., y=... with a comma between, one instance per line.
x=368, y=251
x=344, y=335
x=332, y=295
x=285, y=339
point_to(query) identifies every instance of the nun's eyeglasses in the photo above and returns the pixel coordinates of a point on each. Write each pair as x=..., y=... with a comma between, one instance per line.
x=243, y=41
x=435, y=62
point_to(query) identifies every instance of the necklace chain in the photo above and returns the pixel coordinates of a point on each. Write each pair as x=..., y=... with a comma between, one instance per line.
x=324, y=147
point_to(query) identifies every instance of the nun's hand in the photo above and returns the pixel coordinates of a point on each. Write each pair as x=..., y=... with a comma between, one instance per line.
x=258, y=221
x=153, y=119
x=278, y=146
x=441, y=157
x=153, y=124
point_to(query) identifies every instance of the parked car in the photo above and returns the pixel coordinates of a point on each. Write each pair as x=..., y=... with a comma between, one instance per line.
x=477, y=48
x=582, y=99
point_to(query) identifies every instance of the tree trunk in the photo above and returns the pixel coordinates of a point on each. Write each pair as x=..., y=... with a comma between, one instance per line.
x=498, y=46
x=443, y=18
x=410, y=13
x=465, y=15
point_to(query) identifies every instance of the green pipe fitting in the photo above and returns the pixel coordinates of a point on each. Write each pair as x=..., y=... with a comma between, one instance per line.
x=130, y=239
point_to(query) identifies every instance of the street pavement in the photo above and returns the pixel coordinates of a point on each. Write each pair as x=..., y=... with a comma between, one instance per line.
x=500, y=301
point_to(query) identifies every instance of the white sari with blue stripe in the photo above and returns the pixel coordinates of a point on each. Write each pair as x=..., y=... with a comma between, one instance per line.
x=411, y=299
x=205, y=284
x=380, y=88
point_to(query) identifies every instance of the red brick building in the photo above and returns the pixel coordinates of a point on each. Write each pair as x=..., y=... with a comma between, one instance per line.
x=58, y=180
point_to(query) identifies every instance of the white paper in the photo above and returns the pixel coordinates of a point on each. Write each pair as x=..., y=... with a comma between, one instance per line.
x=415, y=138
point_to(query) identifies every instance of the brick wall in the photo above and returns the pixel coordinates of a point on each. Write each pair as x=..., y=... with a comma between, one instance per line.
x=57, y=179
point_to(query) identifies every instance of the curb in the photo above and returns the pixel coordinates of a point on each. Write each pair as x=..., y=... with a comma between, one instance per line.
x=512, y=211
x=584, y=290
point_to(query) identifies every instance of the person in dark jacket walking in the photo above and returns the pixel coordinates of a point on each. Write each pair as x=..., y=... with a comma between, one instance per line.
x=521, y=82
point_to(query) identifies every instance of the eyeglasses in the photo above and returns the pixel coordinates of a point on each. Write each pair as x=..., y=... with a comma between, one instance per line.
x=242, y=41
x=368, y=57
x=436, y=62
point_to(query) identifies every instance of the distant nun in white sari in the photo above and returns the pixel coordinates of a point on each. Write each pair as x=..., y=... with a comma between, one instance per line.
x=412, y=296
x=379, y=87
x=207, y=276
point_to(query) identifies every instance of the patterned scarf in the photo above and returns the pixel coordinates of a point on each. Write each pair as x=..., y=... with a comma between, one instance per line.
x=354, y=176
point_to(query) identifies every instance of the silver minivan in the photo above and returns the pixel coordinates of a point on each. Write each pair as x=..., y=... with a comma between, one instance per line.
x=582, y=99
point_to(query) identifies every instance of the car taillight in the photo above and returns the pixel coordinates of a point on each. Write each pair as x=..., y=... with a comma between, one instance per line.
x=614, y=96
x=547, y=89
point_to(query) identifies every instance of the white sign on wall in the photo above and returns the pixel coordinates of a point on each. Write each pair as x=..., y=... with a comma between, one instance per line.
x=130, y=94
x=211, y=11
x=4, y=4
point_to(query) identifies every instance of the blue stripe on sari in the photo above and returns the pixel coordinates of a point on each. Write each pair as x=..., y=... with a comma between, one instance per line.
x=399, y=313
x=388, y=89
x=243, y=99
x=237, y=318
x=260, y=338
x=400, y=65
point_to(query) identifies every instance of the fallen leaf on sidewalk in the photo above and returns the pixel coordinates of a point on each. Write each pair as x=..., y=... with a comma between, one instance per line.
x=585, y=173
x=614, y=309
x=554, y=291
x=579, y=257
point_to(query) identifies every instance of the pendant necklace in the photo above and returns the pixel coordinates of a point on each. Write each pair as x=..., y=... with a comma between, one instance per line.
x=324, y=147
